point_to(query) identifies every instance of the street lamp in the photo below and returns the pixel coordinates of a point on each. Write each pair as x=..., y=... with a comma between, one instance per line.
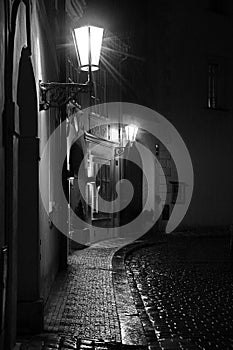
x=88, y=43
x=130, y=136
x=131, y=133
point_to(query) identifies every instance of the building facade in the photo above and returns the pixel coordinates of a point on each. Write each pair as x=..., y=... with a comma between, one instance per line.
x=173, y=57
x=32, y=249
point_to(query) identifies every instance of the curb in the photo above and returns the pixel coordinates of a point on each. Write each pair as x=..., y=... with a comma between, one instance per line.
x=133, y=331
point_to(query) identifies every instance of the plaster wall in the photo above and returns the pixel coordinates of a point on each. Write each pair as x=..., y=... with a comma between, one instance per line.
x=2, y=157
x=180, y=41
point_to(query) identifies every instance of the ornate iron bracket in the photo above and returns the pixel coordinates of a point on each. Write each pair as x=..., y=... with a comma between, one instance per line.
x=58, y=94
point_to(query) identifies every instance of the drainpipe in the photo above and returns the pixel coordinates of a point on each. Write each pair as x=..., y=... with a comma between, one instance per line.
x=63, y=142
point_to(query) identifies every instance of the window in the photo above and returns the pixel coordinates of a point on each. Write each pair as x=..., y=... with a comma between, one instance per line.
x=213, y=69
x=218, y=83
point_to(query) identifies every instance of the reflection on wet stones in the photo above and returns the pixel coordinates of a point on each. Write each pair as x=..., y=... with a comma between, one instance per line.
x=186, y=299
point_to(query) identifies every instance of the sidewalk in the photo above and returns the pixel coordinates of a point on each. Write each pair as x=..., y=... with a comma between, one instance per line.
x=85, y=310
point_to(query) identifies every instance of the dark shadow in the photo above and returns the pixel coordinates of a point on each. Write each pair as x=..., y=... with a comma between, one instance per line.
x=29, y=306
x=133, y=173
x=27, y=96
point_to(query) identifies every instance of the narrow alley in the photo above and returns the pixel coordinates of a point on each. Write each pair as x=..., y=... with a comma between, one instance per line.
x=116, y=226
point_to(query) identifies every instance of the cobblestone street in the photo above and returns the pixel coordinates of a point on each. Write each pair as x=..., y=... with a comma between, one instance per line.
x=181, y=297
x=183, y=292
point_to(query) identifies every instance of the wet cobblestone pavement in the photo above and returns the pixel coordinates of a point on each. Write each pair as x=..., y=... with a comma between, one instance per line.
x=64, y=342
x=82, y=311
x=183, y=293
x=82, y=303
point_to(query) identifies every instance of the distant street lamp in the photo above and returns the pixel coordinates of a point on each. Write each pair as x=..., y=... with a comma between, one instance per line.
x=131, y=132
x=88, y=43
x=130, y=135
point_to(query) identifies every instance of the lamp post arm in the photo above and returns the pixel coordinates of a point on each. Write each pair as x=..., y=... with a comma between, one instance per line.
x=55, y=94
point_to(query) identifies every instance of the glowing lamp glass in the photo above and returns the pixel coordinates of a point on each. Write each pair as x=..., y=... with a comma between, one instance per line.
x=131, y=132
x=88, y=43
x=114, y=134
